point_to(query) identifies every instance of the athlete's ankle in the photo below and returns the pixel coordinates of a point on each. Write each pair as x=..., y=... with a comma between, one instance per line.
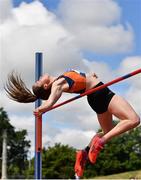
x=87, y=148
x=103, y=140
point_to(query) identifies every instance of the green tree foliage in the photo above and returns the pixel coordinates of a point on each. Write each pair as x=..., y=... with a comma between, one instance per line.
x=4, y=125
x=18, y=153
x=57, y=162
x=17, y=146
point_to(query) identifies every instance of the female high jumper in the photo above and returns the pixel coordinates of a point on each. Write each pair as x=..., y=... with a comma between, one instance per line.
x=104, y=102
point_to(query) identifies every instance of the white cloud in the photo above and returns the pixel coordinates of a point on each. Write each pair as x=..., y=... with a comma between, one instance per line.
x=99, y=28
x=50, y=135
x=28, y=122
x=133, y=93
x=103, y=71
x=33, y=14
x=75, y=138
x=134, y=97
x=25, y=122
x=130, y=64
x=14, y=107
x=72, y=11
x=76, y=114
x=5, y=10
x=106, y=40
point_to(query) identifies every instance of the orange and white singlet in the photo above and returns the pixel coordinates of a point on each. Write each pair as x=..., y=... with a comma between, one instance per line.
x=76, y=81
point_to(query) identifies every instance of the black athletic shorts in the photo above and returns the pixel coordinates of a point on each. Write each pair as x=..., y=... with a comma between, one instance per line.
x=99, y=100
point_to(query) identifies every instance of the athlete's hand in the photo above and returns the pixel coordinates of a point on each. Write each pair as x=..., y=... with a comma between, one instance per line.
x=37, y=112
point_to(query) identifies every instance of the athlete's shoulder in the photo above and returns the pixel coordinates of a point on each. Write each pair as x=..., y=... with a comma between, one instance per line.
x=76, y=71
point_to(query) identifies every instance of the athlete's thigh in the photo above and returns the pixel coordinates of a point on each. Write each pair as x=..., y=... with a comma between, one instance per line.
x=121, y=108
x=105, y=121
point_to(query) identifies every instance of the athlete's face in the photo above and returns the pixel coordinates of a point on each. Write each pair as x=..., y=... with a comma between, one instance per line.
x=45, y=79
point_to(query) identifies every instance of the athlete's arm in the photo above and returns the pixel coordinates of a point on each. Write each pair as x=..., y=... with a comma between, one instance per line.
x=56, y=91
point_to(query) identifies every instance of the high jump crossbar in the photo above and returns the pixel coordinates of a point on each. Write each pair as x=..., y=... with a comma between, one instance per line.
x=96, y=89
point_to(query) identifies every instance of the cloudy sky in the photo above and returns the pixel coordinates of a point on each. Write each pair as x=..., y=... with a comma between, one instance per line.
x=102, y=36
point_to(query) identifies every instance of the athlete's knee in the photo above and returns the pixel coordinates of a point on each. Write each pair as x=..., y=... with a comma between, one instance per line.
x=136, y=121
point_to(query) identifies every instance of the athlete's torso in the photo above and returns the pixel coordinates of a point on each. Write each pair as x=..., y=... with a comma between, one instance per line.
x=79, y=82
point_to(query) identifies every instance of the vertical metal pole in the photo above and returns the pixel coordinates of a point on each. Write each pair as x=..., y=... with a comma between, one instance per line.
x=38, y=122
x=4, y=156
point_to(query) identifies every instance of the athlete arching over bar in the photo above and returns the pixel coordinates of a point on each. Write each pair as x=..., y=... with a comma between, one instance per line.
x=104, y=102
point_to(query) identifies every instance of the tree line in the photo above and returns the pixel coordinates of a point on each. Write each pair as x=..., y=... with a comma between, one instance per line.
x=17, y=147
x=121, y=154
